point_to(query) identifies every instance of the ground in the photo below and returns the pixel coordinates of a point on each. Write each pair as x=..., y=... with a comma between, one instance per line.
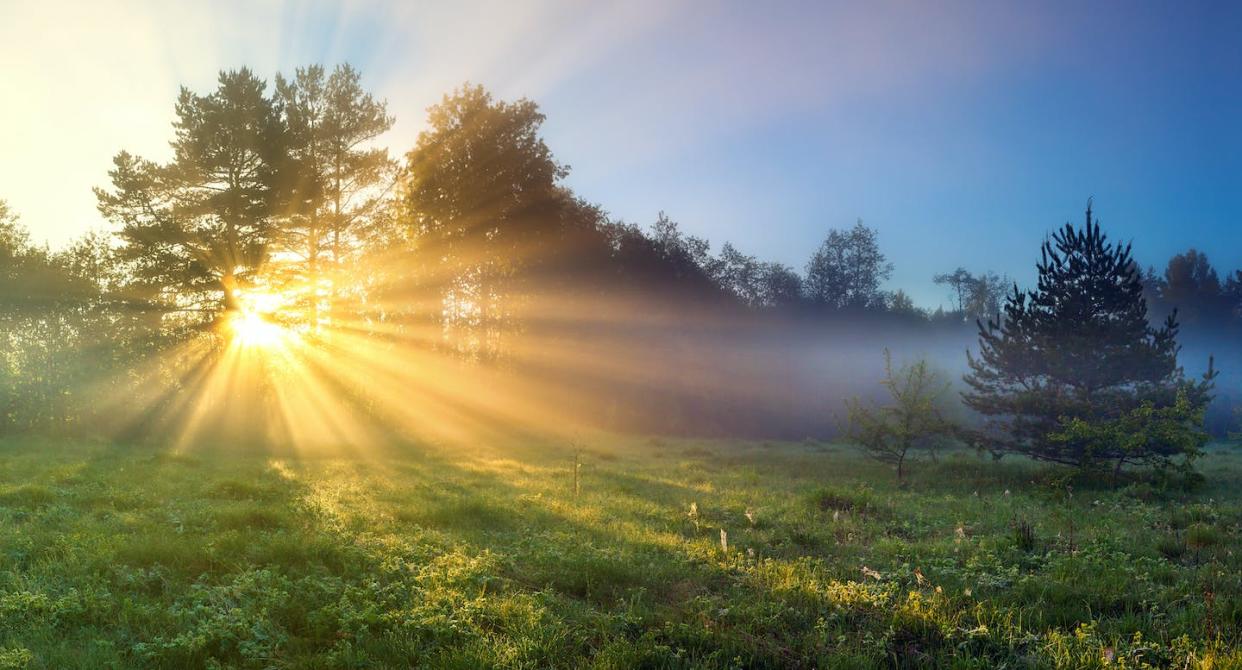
x=675, y=553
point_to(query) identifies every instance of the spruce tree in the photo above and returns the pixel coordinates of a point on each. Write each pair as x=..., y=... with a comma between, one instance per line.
x=1074, y=373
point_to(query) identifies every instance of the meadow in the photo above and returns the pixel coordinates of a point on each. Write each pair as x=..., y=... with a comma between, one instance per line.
x=447, y=557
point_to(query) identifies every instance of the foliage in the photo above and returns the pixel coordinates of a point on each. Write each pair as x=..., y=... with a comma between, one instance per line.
x=914, y=421
x=978, y=296
x=1147, y=434
x=336, y=179
x=847, y=269
x=198, y=229
x=1078, y=351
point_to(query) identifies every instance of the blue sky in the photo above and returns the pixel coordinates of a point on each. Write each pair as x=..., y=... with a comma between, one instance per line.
x=963, y=132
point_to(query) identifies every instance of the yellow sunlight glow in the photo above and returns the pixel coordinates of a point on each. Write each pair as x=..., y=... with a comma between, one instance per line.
x=251, y=329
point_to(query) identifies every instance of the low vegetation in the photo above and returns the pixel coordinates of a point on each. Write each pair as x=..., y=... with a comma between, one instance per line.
x=119, y=556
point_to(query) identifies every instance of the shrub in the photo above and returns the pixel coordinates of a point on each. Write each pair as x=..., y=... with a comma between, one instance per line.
x=914, y=421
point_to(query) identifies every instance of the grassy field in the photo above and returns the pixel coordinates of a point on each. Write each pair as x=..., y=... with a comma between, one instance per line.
x=429, y=557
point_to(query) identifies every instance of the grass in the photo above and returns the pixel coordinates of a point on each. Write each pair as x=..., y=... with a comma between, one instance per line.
x=118, y=557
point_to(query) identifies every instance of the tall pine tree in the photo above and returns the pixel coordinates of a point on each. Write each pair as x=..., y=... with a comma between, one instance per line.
x=1072, y=363
x=195, y=231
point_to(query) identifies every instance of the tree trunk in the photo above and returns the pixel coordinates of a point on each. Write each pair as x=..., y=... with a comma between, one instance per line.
x=228, y=284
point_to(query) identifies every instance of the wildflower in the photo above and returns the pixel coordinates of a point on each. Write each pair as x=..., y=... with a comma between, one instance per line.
x=968, y=592
x=959, y=533
x=1109, y=654
x=1006, y=493
x=750, y=516
x=750, y=552
x=868, y=572
x=724, y=541
x=918, y=576
x=836, y=515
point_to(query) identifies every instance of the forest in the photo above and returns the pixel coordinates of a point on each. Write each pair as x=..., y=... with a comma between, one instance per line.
x=308, y=401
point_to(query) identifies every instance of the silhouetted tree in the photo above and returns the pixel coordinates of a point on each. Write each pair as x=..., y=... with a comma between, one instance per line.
x=1078, y=351
x=196, y=230
x=1192, y=287
x=985, y=292
x=482, y=199
x=335, y=176
x=978, y=296
x=847, y=270
x=958, y=282
x=779, y=285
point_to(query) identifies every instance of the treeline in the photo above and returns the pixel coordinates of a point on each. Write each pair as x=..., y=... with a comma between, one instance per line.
x=469, y=251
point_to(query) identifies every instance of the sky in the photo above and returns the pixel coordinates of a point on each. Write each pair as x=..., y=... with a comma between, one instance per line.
x=964, y=132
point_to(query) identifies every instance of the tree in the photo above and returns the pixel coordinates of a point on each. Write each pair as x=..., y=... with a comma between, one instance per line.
x=959, y=282
x=482, y=199
x=1079, y=351
x=847, y=270
x=336, y=177
x=913, y=421
x=978, y=297
x=196, y=230
x=984, y=295
x=779, y=285
x=740, y=274
x=1192, y=286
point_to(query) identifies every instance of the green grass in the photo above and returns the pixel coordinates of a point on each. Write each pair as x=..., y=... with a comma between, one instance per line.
x=116, y=556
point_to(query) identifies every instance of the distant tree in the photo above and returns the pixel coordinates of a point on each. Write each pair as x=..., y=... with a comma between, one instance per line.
x=1078, y=352
x=1233, y=293
x=690, y=253
x=914, y=421
x=847, y=270
x=985, y=292
x=196, y=230
x=1192, y=287
x=959, y=282
x=664, y=261
x=978, y=296
x=779, y=285
x=50, y=326
x=900, y=302
x=739, y=274
x=336, y=178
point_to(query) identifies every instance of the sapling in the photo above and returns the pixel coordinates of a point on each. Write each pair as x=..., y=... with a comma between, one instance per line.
x=913, y=421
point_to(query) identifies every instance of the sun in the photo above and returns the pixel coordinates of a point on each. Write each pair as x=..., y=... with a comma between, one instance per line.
x=252, y=329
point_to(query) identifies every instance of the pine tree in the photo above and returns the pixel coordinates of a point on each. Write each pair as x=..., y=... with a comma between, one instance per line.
x=1070, y=363
x=195, y=230
x=336, y=178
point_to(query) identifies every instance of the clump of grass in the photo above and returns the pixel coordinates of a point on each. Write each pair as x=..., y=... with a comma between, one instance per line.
x=1184, y=517
x=1202, y=536
x=27, y=495
x=232, y=489
x=1171, y=547
x=463, y=514
x=1024, y=534
x=698, y=452
x=250, y=518
x=174, y=552
x=843, y=500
